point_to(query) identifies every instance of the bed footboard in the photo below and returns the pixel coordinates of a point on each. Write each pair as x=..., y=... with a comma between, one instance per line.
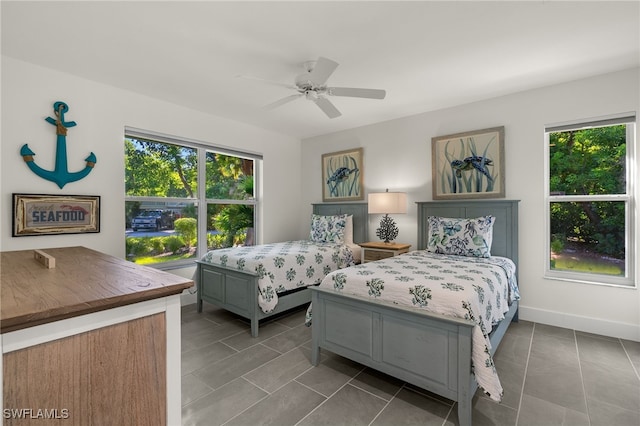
x=429, y=351
x=237, y=292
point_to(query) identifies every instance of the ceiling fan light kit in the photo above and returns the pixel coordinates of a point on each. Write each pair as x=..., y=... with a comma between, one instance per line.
x=312, y=85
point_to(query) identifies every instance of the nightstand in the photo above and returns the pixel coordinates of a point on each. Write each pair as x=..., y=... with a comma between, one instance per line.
x=379, y=250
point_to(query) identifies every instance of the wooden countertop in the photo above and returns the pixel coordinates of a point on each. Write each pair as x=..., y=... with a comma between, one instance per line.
x=83, y=281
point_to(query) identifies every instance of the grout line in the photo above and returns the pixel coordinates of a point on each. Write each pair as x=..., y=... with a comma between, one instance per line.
x=629, y=359
x=526, y=369
x=385, y=405
x=330, y=396
x=252, y=405
x=584, y=391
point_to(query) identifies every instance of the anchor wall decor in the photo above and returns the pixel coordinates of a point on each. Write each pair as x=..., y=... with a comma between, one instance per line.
x=60, y=175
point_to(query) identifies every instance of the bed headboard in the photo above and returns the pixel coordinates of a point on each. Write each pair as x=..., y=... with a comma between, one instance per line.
x=505, y=227
x=358, y=210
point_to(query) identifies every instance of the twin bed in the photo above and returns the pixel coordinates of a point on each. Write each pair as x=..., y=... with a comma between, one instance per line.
x=437, y=333
x=432, y=350
x=258, y=282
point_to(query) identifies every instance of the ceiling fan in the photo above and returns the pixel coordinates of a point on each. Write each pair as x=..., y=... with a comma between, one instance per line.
x=313, y=85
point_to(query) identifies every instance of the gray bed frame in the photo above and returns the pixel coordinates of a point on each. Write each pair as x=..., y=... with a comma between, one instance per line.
x=237, y=291
x=428, y=350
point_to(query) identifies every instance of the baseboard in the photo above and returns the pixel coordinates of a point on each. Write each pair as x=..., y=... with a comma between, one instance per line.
x=576, y=322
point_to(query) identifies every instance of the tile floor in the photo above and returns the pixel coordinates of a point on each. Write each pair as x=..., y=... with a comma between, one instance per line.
x=551, y=376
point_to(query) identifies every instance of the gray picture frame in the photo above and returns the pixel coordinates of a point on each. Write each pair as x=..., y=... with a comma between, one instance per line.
x=468, y=165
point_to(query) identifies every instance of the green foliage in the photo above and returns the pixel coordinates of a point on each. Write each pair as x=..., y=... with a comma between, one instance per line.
x=589, y=162
x=159, y=170
x=158, y=244
x=173, y=243
x=187, y=227
x=215, y=241
x=232, y=220
x=557, y=243
x=138, y=246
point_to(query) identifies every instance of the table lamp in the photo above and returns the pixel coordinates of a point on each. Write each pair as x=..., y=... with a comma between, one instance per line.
x=387, y=203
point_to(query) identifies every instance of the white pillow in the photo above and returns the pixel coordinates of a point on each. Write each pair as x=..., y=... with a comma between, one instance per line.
x=348, y=230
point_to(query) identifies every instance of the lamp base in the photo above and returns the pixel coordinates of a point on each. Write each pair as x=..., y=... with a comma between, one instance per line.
x=388, y=231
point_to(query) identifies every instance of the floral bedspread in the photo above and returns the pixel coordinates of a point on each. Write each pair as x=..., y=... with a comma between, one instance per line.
x=283, y=266
x=478, y=289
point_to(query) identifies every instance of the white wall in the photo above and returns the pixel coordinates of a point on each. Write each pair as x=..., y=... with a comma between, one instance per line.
x=397, y=155
x=101, y=113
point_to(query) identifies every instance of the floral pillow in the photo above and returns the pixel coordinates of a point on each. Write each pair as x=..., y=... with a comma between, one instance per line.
x=328, y=229
x=461, y=237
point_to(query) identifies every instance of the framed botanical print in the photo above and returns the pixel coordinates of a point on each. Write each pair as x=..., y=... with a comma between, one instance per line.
x=342, y=176
x=468, y=165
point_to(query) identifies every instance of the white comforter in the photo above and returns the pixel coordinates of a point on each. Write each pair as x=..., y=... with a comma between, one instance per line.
x=283, y=266
x=478, y=289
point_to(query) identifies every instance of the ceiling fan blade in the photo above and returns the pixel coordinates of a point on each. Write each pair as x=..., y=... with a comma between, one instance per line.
x=357, y=93
x=327, y=107
x=283, y=101
x=322, y=70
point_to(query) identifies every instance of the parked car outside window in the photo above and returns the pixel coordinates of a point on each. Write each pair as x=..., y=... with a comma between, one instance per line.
x=154, y=220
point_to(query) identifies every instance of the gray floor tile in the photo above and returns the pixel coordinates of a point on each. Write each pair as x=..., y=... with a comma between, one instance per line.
x=287, y=406
x=620, y=388
x=511, y=377
x=197, y=358
x=230, y=368
x=557, y=382
x=279, y=371
x=289, y=339
x=243, y=340
x=348, y=406
x=487, y=413
x=572, y=378
x=537, y=412
x=193, y=389
x=550, y=330
x=411, y=408
x=633, y=352
x=330, y=375
x=293, y=319
x=604, y=351
x=554, y=350
x=377, y=383
x=603, y=414
x=202, y=332
x=222, y=404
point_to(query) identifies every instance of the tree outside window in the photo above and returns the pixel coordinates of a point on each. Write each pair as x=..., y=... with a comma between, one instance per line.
x=163, y=194
x=589, y=202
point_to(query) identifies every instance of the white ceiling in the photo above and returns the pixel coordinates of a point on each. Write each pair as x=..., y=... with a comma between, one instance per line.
x=427, y=55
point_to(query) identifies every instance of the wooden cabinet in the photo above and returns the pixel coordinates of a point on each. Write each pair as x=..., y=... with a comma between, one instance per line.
x=380, y=250
x=93, y=341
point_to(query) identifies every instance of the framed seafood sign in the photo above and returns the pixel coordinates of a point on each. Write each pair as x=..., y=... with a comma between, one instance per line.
x=342, y=176
x=468, y=165
x=35, y=214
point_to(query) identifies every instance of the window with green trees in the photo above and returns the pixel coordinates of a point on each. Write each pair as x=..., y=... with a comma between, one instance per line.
x=183, y=198
x=589, y=197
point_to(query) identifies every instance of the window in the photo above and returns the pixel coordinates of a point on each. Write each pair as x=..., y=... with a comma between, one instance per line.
x=183, y=198
x=590, y=203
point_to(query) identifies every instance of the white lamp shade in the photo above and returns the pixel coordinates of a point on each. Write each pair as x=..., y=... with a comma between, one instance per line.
x=387, y=203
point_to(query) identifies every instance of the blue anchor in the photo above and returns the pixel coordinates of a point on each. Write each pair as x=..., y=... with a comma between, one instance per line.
x=60, y=175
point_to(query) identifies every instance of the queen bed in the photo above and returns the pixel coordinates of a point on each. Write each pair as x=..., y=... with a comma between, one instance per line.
x=257, y=282
x=447, y=349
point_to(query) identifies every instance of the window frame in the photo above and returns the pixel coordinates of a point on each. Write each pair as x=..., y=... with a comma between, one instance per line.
x=200, y=201
x=630, y=279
